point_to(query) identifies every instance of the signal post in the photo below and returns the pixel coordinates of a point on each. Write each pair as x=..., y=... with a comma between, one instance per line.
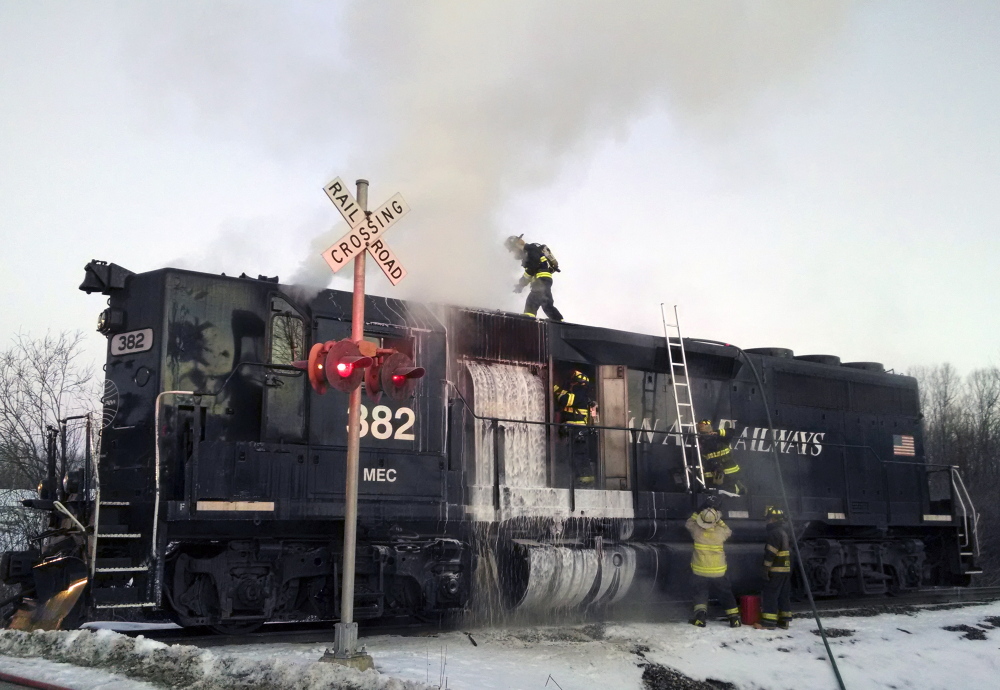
x=341, y=364
x=345, y=642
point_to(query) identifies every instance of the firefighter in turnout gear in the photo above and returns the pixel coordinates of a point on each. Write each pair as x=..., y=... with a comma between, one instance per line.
x=576, y=407
x=708, y=566
x=717, y=458
x=539, y=265
x=776, y=608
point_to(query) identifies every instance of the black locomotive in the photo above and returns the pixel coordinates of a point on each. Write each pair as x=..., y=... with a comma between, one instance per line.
x=218, y=494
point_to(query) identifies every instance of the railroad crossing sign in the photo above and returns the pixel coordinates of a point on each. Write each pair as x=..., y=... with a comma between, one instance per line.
x=366, y=231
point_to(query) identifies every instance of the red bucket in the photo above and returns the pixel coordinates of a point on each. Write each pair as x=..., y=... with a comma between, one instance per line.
x=749, y=609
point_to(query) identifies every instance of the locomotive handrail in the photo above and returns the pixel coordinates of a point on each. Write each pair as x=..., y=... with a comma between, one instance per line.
x=636, y=436
x=496, y=444
x=883, y=462
x=487, y=418
x=965, y=516
x=280, y=367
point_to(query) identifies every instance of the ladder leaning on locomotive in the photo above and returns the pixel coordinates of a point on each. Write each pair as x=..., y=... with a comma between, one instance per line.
x=217, y=495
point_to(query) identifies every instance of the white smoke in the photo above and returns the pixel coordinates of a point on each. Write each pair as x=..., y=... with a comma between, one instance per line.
x=463, y=107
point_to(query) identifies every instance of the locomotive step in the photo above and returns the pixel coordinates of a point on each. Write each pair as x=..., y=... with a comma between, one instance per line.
x=118, y=562
x=111, y=596
x=114, y=529
x=124, y=569
x=125, y=606
x=119, y=535
x=115, y=503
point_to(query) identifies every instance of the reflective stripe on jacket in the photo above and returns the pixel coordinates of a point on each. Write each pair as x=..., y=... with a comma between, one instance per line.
x=777, y=552
x=708, y=558
x=715, y=450
x=535, y=263
x=574, y=405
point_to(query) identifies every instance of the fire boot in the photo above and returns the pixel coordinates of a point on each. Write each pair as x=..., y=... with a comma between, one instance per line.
x=698, y=620
x=734, y=622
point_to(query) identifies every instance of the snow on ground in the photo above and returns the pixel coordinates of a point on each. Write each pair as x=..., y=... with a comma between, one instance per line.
x=890, y=651
x=185, y=666
x=70, y=676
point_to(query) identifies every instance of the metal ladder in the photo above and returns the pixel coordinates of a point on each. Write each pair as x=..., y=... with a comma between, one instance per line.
x=683, y=402
x=119, y=567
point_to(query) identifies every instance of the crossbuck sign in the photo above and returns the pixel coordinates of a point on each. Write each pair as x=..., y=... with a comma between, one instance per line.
x=366, y=231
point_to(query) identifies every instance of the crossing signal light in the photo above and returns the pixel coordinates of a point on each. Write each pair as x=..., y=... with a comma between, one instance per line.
x=345, y=365
x=399, y=376
x=340, y=364
x=392, y=374
x=315, y=366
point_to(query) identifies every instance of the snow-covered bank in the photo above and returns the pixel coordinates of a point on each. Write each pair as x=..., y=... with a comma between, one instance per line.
x=907, y=650
x=924, y=650
x=190, y=667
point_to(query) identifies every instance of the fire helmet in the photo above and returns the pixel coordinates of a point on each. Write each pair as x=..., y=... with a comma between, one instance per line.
x=774, y=513
x=580, y=377
x=708, y=518
x=705, y=426
x=515, y=243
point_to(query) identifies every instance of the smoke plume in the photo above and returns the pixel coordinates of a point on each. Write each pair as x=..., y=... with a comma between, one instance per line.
x=464, y=107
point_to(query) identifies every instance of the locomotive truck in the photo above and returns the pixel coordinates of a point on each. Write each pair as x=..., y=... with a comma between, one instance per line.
x=217, y=496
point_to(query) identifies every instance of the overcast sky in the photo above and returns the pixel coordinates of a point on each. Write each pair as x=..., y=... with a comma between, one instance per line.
x=817, y=176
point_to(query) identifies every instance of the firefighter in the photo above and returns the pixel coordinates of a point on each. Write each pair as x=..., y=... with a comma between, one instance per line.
x=717, y=458
x=577, y=408
x=708, y=565
x=539, y=265
x=777, y=604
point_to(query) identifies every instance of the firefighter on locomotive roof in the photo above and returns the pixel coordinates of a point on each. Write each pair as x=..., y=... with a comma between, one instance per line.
x=539, y=264
x=721, y=470
x=578, y=409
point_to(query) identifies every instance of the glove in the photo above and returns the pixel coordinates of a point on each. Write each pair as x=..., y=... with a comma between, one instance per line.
x=518, y=288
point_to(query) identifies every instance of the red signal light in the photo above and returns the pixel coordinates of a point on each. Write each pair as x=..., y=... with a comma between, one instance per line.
x=398, y=376
x=345, y=365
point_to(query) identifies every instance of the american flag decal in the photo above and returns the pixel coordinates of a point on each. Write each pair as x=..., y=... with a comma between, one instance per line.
x=903, y=445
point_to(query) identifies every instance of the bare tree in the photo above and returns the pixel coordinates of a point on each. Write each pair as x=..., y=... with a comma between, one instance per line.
x=41, y=381
x=962, y=428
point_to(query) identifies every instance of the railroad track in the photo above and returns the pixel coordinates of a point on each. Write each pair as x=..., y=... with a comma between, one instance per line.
x=301, y=633
x=666, y=610
x=865, y=606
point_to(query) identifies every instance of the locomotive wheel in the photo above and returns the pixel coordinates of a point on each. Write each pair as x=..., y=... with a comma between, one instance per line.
x=237, y=627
